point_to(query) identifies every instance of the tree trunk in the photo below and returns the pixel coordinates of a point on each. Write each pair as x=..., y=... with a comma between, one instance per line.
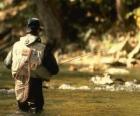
x=49, y=14
x=120, y=10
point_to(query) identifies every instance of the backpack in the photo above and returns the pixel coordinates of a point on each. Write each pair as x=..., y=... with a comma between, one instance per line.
x=27, y=59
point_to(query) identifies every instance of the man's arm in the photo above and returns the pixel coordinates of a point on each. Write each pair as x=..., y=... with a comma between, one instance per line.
x=49, y=62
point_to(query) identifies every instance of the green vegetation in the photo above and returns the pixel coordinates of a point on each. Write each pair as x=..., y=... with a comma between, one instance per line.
x=78, y=18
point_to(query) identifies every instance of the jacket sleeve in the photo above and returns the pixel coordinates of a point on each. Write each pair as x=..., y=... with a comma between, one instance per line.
x=49, y=62
x=8, y=60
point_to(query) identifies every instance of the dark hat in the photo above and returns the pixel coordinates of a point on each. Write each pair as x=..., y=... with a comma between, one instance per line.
x=33, y=24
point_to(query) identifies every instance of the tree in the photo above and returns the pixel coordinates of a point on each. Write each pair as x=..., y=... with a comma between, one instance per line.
x=120, y=10
x=49, y=13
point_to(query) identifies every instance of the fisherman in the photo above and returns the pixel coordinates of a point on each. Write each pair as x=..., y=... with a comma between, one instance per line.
x=31, y=63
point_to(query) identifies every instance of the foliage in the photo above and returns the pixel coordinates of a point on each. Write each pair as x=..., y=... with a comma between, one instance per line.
x=81, y=19
x=85, y=15
x=94, y=16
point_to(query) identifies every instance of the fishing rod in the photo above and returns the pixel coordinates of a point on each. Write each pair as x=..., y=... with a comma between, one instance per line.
x=77, y=57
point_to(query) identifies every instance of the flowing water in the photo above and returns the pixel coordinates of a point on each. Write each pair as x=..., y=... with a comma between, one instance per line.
x=80, y=103
x=76, y=102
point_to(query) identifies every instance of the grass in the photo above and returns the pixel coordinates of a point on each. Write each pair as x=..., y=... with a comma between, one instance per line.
x=76, y=102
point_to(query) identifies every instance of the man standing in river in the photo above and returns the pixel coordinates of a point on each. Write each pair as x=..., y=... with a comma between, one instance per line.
x=30, y=61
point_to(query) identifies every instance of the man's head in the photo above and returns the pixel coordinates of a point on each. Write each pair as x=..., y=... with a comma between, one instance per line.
x=33, y=25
